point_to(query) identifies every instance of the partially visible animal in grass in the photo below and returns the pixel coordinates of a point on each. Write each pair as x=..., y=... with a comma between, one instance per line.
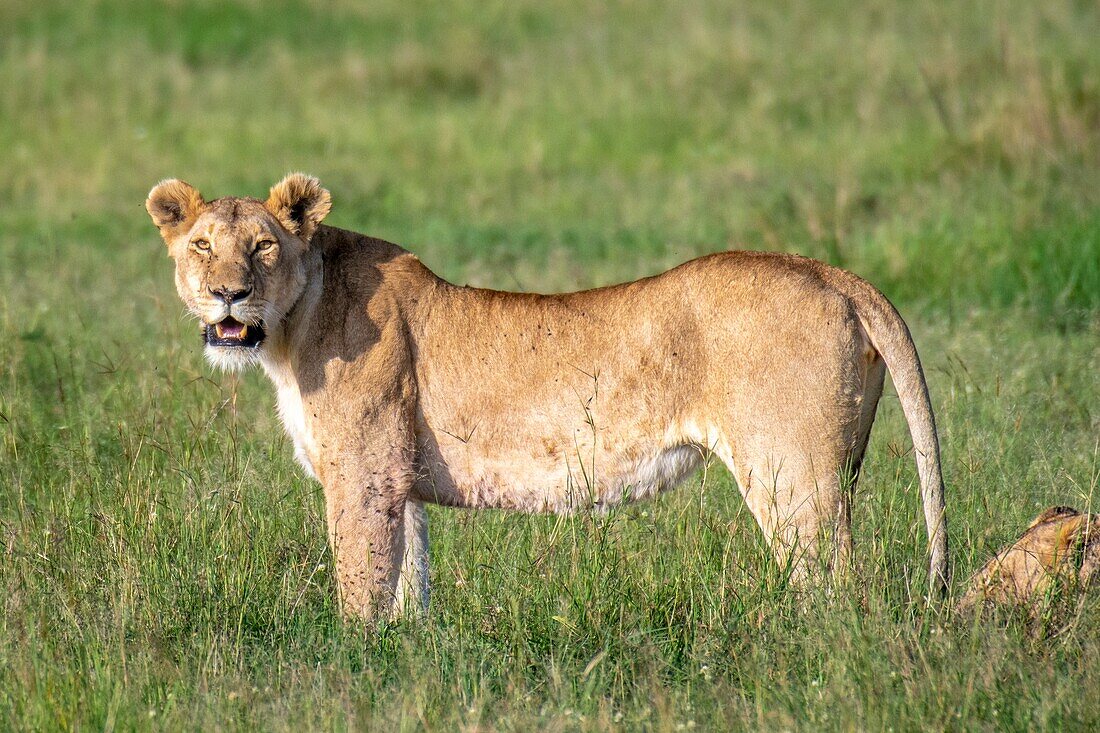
x=1060, y=550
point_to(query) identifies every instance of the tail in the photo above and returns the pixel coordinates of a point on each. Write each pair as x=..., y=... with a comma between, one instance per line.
x=890, y=337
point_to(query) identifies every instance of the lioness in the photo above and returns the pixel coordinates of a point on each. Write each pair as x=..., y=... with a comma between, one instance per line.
x=399, y=388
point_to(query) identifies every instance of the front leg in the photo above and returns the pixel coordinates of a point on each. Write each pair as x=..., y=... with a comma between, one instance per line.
x=366, y=521
x=360, y=404
x=412, y=588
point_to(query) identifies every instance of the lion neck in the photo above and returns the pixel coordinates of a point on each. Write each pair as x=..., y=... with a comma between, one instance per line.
x=284, y=340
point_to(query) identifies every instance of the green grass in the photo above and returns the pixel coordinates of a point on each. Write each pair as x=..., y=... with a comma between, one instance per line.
x=162, y=559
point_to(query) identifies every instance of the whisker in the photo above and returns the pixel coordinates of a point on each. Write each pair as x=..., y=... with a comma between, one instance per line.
x=185, y=314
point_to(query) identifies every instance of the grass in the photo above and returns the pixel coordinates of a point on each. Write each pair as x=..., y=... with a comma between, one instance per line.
x=162, y=559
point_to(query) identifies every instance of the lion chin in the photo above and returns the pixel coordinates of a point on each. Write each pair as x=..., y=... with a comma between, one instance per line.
x=400, y=389
x=232, y=358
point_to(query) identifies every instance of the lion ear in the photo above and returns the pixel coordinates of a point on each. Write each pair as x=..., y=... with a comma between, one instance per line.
x=299, y=203
x=174, y=205
x=1051, y=513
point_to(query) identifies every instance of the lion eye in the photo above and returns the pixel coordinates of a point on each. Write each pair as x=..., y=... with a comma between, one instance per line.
x=201, y=245
x=264, y=245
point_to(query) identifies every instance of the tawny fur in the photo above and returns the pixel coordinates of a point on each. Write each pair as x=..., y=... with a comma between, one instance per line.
x=400, y=389
x=1061, y=545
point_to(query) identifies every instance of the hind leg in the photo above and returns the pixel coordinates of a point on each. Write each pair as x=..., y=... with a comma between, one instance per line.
x=872, y=391
x=797, y=467
x=801, y=503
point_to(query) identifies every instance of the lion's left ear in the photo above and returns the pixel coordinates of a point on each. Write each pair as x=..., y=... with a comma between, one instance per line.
x=299, y=203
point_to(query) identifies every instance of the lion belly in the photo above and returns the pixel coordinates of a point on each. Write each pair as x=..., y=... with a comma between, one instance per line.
x=652, y=474
x=512, y=479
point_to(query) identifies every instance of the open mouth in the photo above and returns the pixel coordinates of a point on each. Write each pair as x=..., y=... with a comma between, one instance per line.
x=231, y=332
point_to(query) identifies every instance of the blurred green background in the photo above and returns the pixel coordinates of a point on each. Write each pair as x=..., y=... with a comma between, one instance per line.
x=551, y=145
x=163, y=560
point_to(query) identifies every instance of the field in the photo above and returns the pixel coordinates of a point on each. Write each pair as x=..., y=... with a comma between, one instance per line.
x=163, y=560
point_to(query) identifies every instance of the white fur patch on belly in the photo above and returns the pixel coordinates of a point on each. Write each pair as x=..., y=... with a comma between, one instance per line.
x=652, y=475
x=554, y=487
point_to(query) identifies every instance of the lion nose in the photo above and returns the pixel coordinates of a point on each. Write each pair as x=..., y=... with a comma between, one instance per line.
x=230, y=296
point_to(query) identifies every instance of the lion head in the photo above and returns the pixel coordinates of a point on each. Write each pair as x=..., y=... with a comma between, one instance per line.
x=240, y=262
